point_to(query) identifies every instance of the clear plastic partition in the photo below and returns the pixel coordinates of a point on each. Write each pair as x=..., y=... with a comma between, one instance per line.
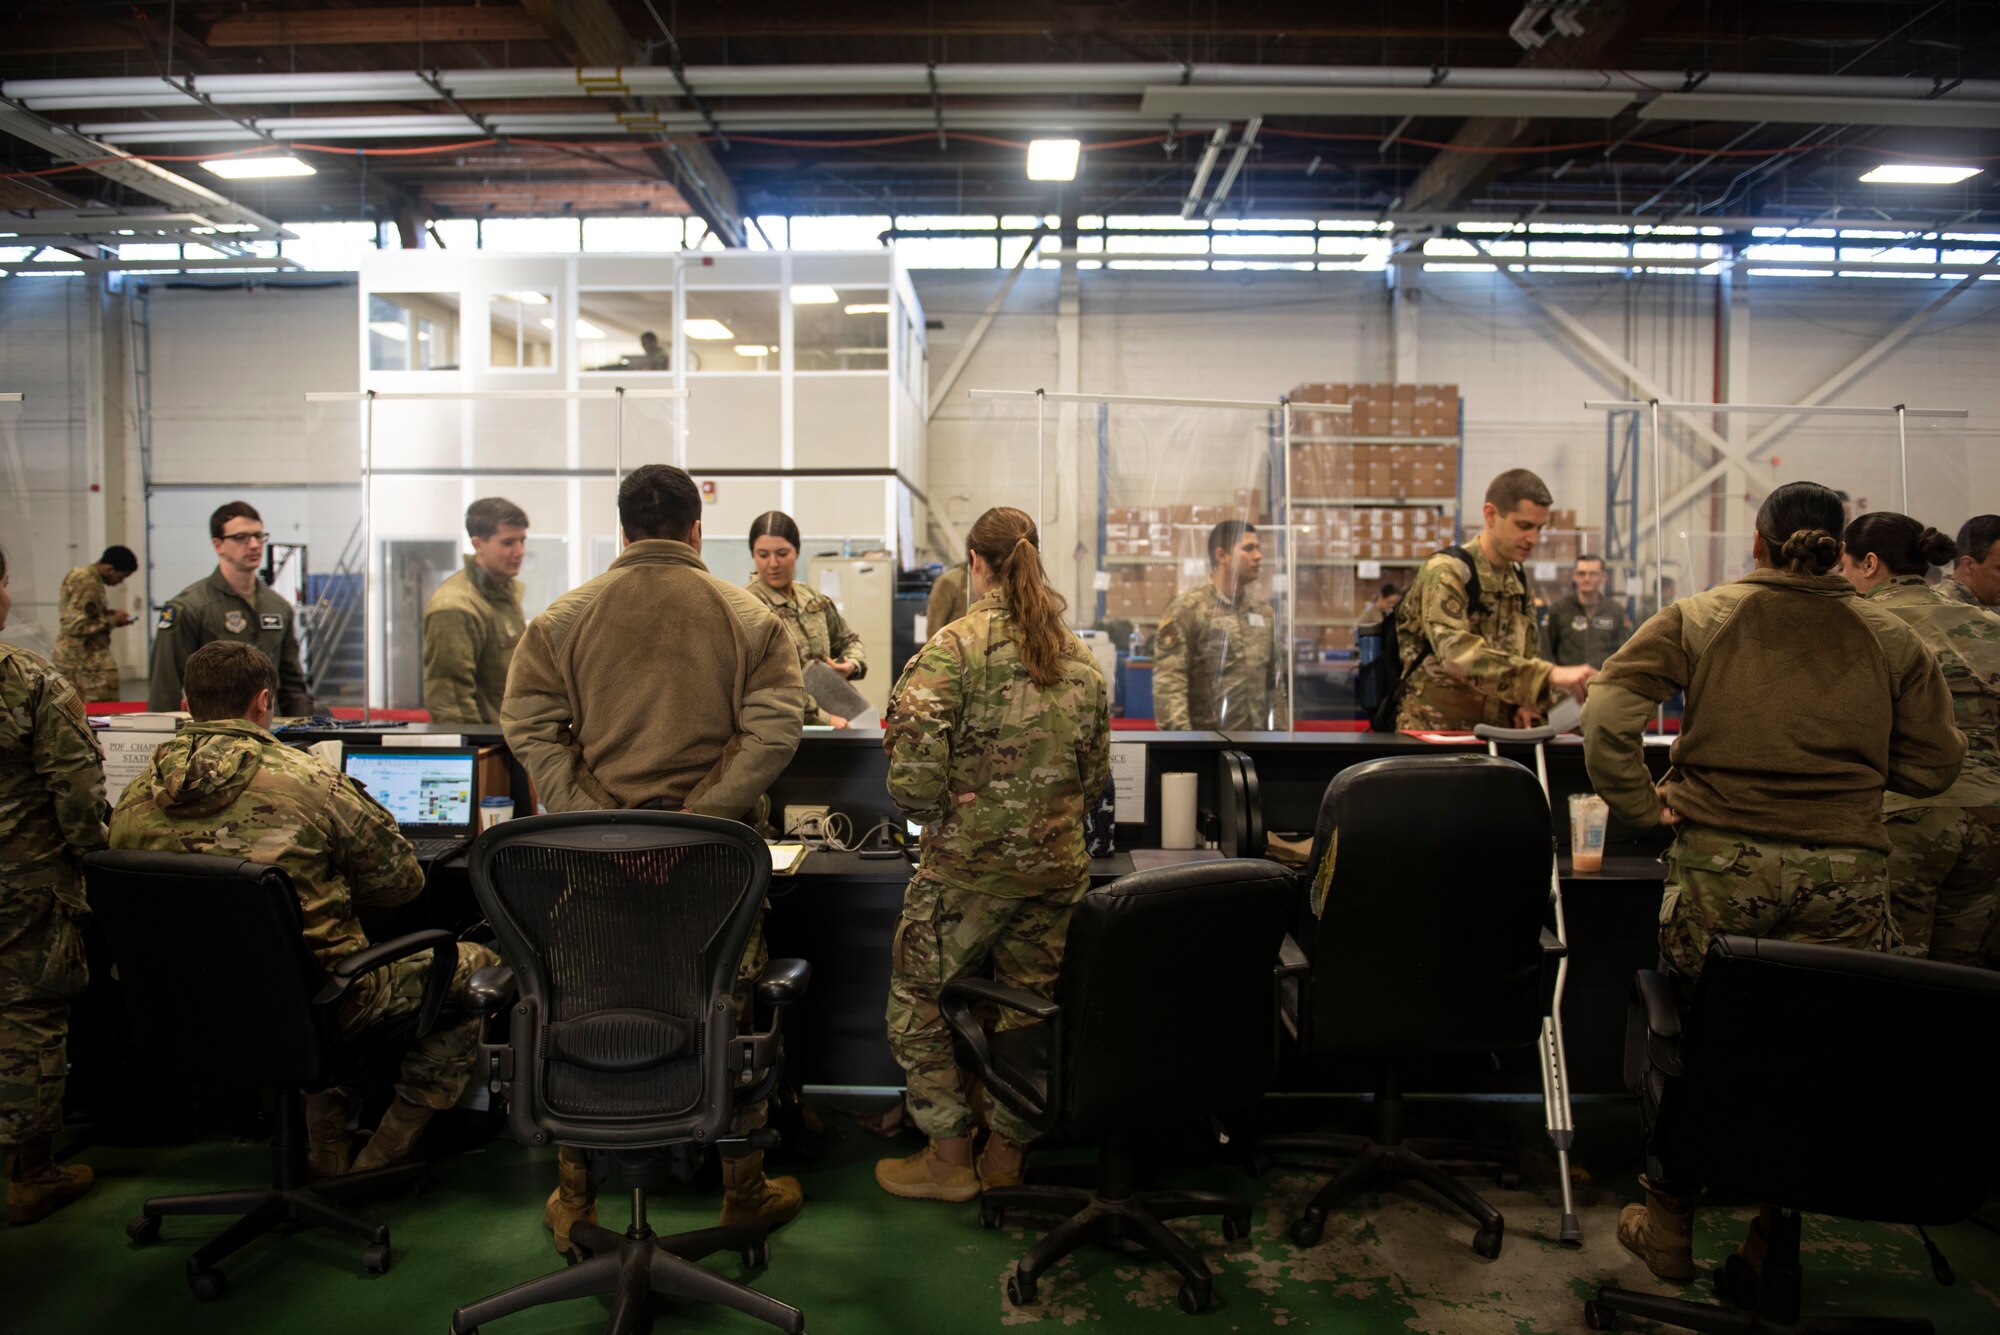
x=1954, y=470
x=379, y=551
x=1158, y=523
x=32, y=579
x=985, y=450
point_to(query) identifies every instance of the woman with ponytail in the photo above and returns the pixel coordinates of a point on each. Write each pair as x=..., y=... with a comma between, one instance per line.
x=811, y=621
x=1805, y=702
x=998, y=736
x=1944, y=866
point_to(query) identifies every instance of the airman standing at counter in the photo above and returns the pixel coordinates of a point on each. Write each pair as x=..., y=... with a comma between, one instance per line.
x=947, y=602
x=1804, y=702
x=1944, y=867
x=606, y=715
x=51, y=814
x=1974, y=579
x=998, y=738
x=1466, y=629
x=231, y=604
x=813, y=623
x=474, y=619
x=1585, y=626
x=83, y=639
x=1217, y=661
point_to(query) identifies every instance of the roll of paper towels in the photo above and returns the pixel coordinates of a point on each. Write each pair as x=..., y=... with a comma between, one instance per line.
x=1177, y=811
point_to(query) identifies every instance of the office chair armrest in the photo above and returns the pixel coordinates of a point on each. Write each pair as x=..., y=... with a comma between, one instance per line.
x=1655, y=994
x=1293, y=980
x=969, y=991
x=490, y=991
x=957, y=1001
x=782, y=982
x=1292, y=961
x=437, y=979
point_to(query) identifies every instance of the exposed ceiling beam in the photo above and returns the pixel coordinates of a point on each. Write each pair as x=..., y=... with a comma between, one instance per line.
x=1935, y=113
x=143, y=266
x=1447, y=177
x=365, y=27
x=1223, y=102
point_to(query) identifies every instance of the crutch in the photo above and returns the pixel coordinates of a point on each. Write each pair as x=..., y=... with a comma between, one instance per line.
x=1555, y=1066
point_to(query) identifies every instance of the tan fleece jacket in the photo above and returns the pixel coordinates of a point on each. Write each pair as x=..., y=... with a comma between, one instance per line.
x=1803, y=702
x=654, y=684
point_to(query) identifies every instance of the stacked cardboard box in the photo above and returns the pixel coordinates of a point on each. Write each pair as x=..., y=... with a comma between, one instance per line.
x=1141, y=593
x=1380, y=408
x=1339, y=471
x=1171, y=530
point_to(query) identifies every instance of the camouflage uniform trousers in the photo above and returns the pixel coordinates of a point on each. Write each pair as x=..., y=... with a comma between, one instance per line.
x=41, y=971
x=95, y=676
x=1722, y=883
x=437, y=1065
x=947, y=933
x=1944, y=880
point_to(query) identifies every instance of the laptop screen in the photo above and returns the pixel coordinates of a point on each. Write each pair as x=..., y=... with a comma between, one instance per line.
x=424, y=788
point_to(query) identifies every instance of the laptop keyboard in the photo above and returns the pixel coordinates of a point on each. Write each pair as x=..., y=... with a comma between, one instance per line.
x=430, y=850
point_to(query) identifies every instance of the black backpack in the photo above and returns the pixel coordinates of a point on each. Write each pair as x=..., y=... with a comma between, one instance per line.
x=1380, y=685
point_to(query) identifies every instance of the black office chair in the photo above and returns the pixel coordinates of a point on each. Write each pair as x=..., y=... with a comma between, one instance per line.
x=222, y=990
x=1819, y=1081
x=1164, y=1011
x=1426, y=894
x=626, y=929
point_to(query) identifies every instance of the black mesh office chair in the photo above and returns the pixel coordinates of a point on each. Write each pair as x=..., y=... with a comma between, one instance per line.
x=1426, y=893
x=222, y=990
x=626, y=929
x=1164, y=1011
x=1819, y=1081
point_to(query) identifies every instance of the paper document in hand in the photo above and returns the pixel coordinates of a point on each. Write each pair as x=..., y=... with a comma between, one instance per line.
x=834, y=695
x=1567, y=714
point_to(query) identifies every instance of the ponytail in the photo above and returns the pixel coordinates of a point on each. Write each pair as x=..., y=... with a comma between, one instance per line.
x=1006, y=540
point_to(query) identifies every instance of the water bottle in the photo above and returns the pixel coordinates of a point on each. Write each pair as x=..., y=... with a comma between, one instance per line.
x=1134, y=642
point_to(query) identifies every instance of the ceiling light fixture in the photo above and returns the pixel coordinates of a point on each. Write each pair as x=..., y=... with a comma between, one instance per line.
x=869, y=308
x=708, y=331
x=389, y=329
x=258, y=168
x=752, y=350
x=527, y=298
x=813, y=294
x=585, y=329
x=1053, y=159
x=1895, y=173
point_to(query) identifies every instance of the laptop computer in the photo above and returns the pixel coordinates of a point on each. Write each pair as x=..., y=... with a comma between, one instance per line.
x=432, y=791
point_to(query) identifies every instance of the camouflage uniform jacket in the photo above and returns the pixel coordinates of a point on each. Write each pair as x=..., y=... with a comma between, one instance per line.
x=83, y=639
x=51, y=781
x=999, y=770
x=816, y=629
x=471, y=627
x=947, y=600
x=1482, y=661
x=1967, y=647
x=1216, y=663
x=210, y=610
x=231, y=789
x=1952, y=591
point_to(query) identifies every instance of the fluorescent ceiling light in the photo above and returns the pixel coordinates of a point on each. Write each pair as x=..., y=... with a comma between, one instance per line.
x=1053, y=159
x=527, y=298
x=389, y=329
x=709, y=331
x=869, y=308
x=813, y=294
x=752, y=350
x=1892, y=173
x=546, y=322
x=258, y=168
x=585, y=329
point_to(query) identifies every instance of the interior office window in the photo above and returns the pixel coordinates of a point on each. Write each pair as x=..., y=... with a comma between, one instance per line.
x=523, y=330
x=625, y=331
x=850, y=333
x=413, y=331
x=732, y=329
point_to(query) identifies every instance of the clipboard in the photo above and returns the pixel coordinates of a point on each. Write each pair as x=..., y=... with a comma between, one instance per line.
x=834, y=694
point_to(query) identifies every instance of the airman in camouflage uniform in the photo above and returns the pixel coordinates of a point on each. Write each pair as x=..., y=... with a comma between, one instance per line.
x=1944, y=871
x=1720, y=883
x=947, y=601
x=1952, y=591
x=1216, y=663
x=229, y=788
x=51, y=813
x=1000, y=772
x=1472, y=664
x=85, y=623
x=471, y=626
x=816, y=629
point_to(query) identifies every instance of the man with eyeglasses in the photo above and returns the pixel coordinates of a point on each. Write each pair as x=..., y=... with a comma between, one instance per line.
x=231, y=604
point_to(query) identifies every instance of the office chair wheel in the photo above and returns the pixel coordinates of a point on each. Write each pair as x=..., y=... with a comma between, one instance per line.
x=1596, y=1316
x=1507, y=1179
x=424, y=1185
x=1235, y=1227
x=756, y=1255
x=146, y=1228
x=1735, y=1283
x=1195, y=1297
x=207, y=1285
x=1487, y=1242
x=990, y=1214
x=375, y=1260
x=1020, y=1292
x=1306, y=1230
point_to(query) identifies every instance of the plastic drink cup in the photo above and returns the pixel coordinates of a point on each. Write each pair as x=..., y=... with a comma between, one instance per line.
x=493, y=810
x=1588, y=817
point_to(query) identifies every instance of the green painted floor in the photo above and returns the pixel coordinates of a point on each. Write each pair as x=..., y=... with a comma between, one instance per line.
x=859, y=1261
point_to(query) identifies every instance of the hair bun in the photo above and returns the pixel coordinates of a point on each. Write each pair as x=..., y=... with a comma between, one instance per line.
x=1936, y=548
x=1811, y=551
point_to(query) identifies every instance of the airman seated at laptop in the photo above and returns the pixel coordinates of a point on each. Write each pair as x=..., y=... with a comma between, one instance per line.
x=224, y=785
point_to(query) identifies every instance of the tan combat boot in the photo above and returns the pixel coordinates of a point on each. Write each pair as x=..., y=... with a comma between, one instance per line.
x=395, y=1138
x=36, y=1185
x=1002, y=1163
x=941, y=1171
x=330, y=1131
x=574, y=1201
x=1660, y=1233
x=748, y=1197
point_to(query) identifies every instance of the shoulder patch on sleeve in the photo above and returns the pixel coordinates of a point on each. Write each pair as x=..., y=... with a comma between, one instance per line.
x=167, y=615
